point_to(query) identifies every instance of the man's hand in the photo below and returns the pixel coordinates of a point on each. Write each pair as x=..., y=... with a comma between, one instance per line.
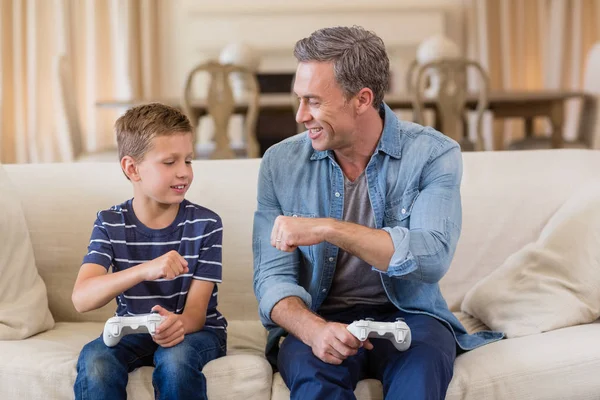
x=170, y=332
x=167, y=266
x=333, y=343
x=290, y=232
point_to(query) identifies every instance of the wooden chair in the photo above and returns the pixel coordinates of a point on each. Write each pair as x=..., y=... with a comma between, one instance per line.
x=451, y=98
x=588, y=135
x=221, y=105
x=73, y=136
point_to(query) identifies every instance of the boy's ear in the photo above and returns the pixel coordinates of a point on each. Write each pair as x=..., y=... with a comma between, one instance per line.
x=129, y=167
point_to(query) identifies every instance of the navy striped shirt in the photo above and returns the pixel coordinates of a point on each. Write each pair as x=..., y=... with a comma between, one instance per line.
x=120, y=240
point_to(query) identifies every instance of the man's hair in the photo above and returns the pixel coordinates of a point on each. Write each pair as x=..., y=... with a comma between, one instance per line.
x=139, y=125
x=359, y=58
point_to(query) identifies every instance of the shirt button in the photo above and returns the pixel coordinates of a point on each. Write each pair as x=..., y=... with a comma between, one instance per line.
x=337, y=194
x=295, y=215
x=331, y=259
x=324, y=290
x=403, y=211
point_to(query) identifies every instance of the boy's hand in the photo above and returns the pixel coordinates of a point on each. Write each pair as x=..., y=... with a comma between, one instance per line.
x=170, y=332
x=167, y=266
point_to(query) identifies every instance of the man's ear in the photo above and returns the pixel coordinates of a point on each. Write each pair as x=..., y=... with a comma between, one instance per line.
x=129, y=167
x=364, y=99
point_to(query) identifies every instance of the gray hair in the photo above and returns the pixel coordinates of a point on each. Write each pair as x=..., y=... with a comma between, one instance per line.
x=359, y=58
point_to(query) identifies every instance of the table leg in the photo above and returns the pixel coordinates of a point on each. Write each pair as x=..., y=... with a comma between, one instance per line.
x=497, y=134
x=557, y=121
x=529, y=127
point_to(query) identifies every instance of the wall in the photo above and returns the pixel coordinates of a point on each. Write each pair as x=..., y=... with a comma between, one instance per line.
x=196, y=30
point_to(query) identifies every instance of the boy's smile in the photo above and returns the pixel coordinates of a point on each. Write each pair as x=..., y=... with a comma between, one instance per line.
x=181, y=189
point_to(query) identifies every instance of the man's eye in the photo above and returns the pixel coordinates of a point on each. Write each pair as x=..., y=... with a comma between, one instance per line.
x=188, y=161
x=313, y=103
x=169, y=162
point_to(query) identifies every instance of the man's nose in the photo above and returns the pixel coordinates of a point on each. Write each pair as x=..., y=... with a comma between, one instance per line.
x=303, y=114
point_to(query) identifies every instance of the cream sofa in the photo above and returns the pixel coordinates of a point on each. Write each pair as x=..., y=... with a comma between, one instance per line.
x=507, y=198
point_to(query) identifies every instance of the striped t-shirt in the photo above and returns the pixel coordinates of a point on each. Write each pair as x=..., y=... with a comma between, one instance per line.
x=120, y=240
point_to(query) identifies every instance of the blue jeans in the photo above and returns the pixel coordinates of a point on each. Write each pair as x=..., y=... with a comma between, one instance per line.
x=423, y=371
x=102, y=371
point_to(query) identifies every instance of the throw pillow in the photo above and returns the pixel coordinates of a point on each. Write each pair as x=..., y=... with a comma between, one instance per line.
x=23, y=299
x=551, y=283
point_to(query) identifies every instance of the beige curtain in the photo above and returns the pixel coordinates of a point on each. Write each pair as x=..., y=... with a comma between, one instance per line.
x=533, y=44
x=112, y=46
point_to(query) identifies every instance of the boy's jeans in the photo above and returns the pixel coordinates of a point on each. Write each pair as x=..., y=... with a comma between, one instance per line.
x=102, y=371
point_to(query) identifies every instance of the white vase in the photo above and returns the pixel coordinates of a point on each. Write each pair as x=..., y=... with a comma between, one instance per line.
x=244, y=55
x=433, y=49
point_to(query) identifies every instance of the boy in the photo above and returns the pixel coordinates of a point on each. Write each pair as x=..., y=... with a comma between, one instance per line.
x=165, y=254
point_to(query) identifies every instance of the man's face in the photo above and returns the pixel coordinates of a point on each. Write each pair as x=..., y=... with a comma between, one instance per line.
x=166, y=170
x=324, y=111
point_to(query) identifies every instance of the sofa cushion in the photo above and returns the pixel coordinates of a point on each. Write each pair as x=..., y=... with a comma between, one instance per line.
x=44, y=366
x=507, y=198
x=551, y=283
x=562, y=364
x=23, y=298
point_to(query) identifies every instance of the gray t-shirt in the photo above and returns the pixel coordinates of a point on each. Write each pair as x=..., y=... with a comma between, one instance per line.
x=354, y=281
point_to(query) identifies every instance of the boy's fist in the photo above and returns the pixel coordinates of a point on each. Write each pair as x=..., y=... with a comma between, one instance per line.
x=167, y=266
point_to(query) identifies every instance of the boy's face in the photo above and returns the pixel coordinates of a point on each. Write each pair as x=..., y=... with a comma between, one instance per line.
x=165, y=173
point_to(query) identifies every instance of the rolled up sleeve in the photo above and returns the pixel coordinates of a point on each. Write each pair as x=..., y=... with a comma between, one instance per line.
x=425, y=249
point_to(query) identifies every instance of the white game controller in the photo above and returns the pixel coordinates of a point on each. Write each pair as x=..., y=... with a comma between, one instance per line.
x=117, y=327
x=396, y=332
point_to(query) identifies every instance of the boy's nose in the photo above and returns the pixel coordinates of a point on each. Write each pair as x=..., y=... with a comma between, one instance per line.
x=183, y=170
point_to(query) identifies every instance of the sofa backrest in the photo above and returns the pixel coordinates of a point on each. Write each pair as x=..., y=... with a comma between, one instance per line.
x=60, y=202
x=507, y=199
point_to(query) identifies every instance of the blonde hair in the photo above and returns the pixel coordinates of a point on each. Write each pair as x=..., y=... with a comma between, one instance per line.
x=139, y=125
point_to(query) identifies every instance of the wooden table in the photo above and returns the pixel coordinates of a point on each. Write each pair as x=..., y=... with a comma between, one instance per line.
x=503, y=104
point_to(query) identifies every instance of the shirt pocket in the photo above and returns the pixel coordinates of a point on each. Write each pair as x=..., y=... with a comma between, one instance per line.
x=398, y=211
x=298, y=214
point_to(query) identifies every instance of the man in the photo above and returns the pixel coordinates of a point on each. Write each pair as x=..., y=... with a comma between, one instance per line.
x=357, y=218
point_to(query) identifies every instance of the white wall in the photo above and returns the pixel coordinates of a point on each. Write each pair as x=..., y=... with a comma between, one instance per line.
x=195, y=30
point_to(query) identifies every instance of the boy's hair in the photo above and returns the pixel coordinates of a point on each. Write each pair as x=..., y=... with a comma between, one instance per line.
x=139, y=125
x=358, y=56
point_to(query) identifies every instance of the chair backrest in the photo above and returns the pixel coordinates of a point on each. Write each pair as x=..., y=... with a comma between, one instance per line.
x=67, y=96
x=448, y=89
x=221, y=105
x=410, y=76
x=589, y=125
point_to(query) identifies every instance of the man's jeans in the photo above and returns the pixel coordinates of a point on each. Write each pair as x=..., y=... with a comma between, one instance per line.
x=423, y=371
x=102, y=372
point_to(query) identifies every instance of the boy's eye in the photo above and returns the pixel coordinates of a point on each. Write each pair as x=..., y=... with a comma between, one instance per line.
x=169, y=162
x=188, y=161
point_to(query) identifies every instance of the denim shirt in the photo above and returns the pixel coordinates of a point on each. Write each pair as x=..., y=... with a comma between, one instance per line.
x=413, y=181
